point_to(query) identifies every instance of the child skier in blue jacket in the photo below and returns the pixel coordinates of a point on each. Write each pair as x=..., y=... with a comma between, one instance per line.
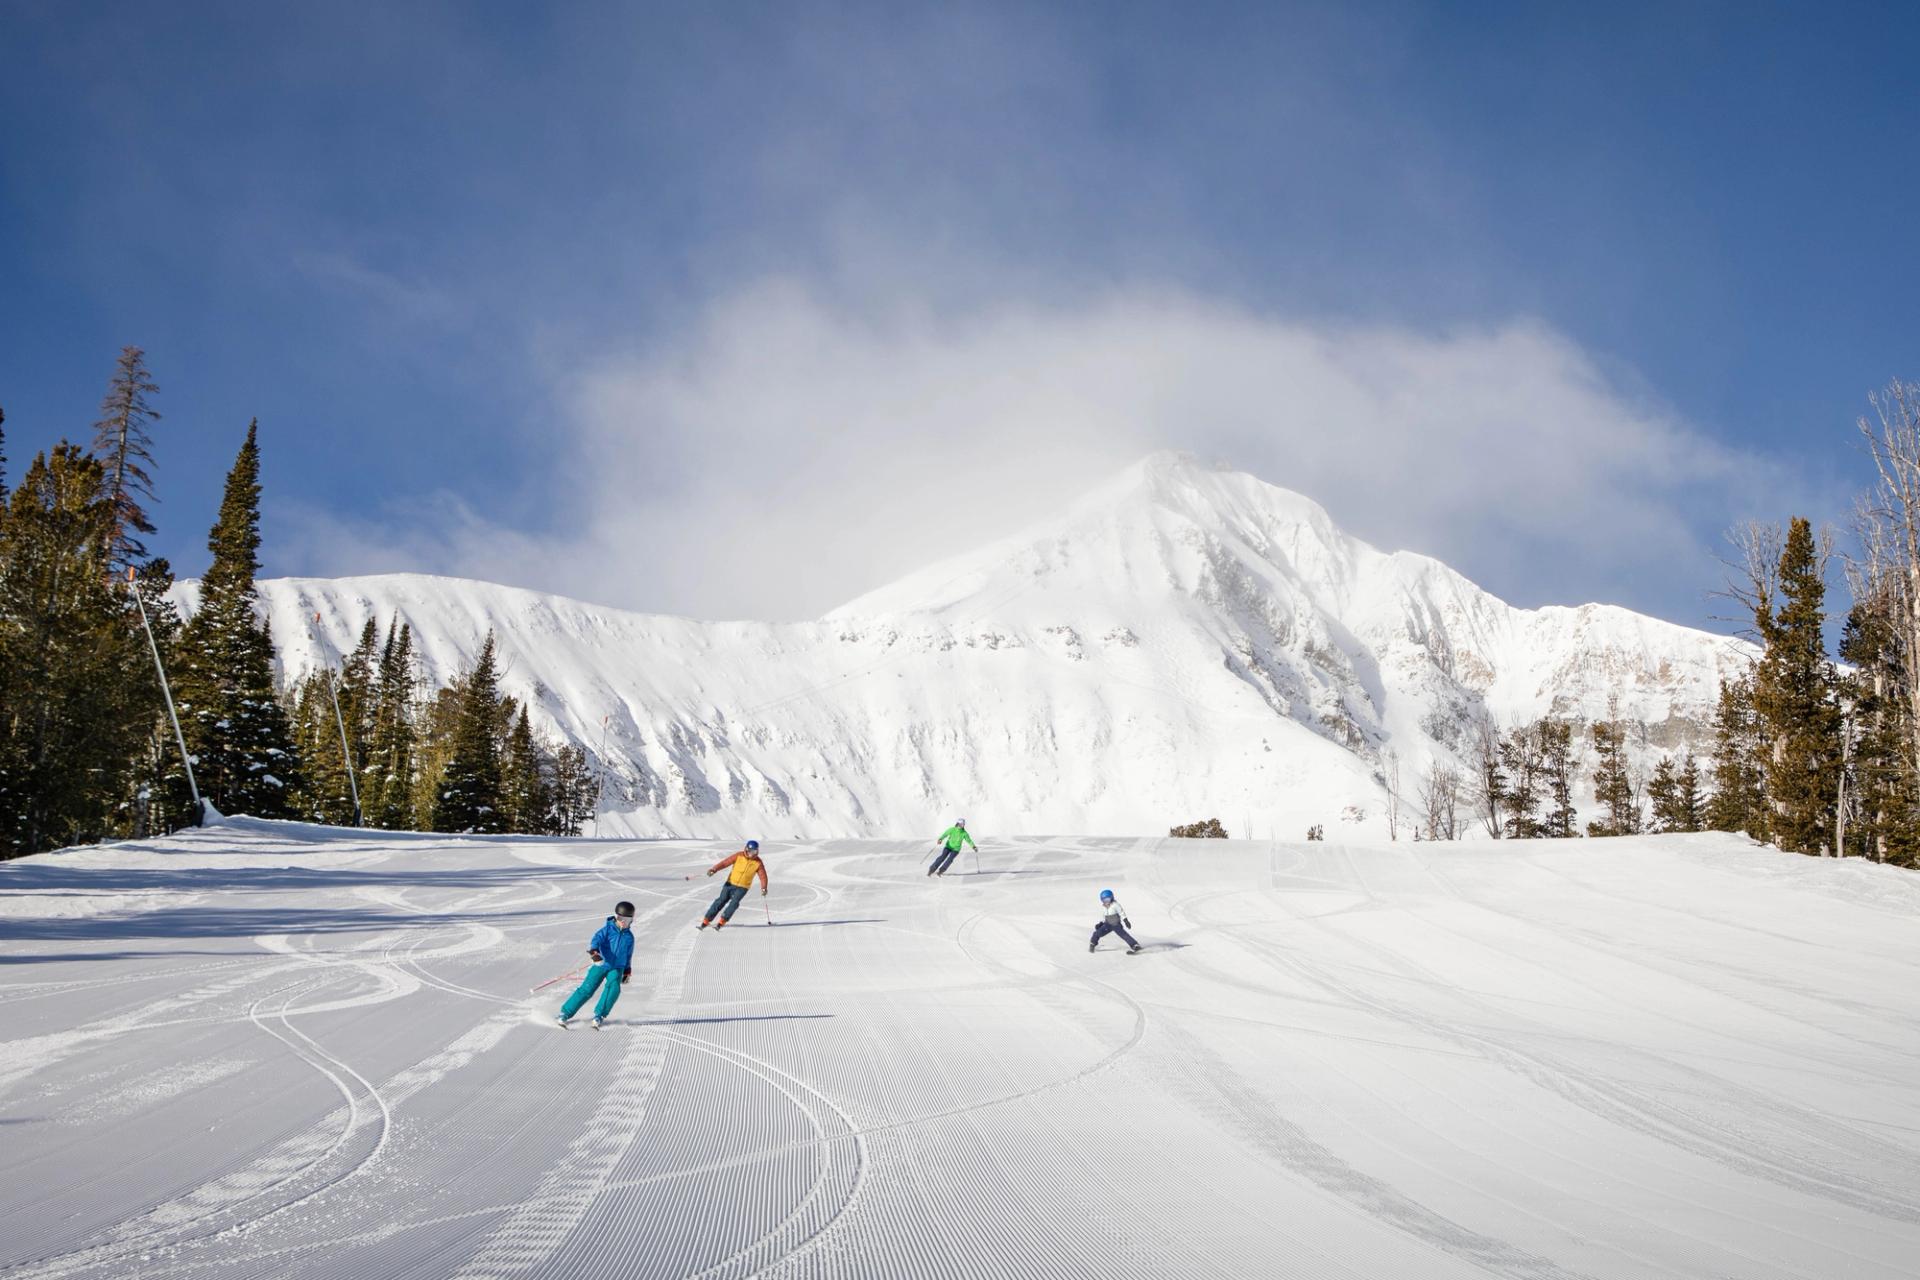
x=612, y=953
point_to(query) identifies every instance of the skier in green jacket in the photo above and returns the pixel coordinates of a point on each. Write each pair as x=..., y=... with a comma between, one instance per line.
x=950, y=841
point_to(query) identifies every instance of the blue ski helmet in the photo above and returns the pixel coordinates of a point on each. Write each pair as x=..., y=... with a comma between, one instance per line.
x=752, y=845
x=1106, y=895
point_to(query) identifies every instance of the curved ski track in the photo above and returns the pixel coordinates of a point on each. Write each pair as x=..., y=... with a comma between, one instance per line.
x=1624, y=1059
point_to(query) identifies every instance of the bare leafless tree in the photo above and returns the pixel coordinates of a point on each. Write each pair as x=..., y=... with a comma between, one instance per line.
x=1440, y=798
x=1889, y=530
x=1489, y=785
x=1753, y=573
x=1390, y=771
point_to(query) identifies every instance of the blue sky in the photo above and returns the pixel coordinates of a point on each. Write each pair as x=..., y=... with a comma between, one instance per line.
x=596, y=297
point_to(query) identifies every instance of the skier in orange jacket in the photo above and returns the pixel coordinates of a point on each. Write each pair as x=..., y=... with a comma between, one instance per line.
x=746, y=865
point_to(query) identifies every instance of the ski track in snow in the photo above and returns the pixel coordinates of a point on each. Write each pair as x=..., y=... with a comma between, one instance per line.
x=1651, y=1057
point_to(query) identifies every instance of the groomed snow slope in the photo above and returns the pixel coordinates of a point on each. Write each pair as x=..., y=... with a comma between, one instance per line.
x=1181, y=643
x=275, y=1050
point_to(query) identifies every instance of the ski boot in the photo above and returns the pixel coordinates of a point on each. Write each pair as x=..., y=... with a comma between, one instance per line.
x=561, y=1023
x=598, y=1022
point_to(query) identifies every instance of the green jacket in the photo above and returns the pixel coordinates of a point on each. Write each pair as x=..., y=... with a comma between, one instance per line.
x=952, y=837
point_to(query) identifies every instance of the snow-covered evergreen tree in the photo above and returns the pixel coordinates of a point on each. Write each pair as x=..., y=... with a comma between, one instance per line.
x=391, y=766
x=236, y=728
x=524, y=789
x=468, y=797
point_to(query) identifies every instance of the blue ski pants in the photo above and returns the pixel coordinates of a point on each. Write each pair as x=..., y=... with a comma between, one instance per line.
x=728, y=902
x=598, y=975
x=943, y=860
x=1106, y=927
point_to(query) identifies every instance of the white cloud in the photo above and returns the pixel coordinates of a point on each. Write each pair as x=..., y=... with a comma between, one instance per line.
x=786, y=453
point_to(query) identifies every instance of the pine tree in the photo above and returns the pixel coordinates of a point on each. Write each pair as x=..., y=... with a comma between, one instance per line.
x=1739, y=801
x=1556, y=753
x=1661, y=790
x=1882, y=823
x=439, y=725
x=1522, y=761
x=77, y=692
x=125, y=448
x=469, y=795
x=1689, y=804
x=391, y=767
x=1675, y=795
x=575, y=791
x=242, y=743
x=355, y=690
x=1612, y=781
x=525, y=793
x=1794, y=697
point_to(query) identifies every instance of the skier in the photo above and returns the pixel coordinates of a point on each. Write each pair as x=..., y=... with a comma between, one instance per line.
x=1113, y=921
x=950, y=847
x=746, y=865
x=612, y=953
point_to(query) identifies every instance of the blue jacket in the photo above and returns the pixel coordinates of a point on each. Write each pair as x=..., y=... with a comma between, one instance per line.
x=614, y=944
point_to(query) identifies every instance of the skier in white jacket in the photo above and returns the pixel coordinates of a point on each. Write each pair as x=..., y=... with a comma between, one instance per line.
x=1114, y=920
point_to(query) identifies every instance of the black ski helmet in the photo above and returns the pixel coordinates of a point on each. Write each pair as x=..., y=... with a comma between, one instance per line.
x=624, y=910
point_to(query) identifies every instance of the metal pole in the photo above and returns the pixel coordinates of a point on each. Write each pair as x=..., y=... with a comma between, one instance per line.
x=346, y=752
x=133, y=585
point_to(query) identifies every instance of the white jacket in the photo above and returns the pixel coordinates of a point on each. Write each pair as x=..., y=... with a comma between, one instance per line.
x=1114, y=911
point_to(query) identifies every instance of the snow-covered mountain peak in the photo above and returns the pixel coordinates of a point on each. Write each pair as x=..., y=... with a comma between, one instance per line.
x=1183, y=641
x=1158, y=528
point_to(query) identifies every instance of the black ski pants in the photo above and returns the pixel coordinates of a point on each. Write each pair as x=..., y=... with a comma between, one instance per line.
x=943, y=860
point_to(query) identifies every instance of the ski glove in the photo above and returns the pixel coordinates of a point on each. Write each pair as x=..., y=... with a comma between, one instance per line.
x=626, y=975
x=1126, y=923
x=593, y=955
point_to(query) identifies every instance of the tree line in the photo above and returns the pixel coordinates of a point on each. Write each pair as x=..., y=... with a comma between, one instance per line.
x=1519, y=785
x=86, y=748
x=1813, y=751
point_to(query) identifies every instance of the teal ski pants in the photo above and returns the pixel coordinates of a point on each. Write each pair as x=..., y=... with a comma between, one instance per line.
x=581, y=994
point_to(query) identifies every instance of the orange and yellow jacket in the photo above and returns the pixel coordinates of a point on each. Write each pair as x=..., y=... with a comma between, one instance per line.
x=745, y=867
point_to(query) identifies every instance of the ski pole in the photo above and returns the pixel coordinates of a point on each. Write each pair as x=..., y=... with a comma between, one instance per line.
x=769, y=910
x=562, y=978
